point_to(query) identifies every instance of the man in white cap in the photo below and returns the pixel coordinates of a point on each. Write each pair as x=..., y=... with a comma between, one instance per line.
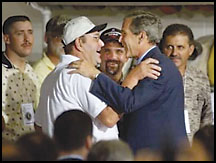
x=61, y=92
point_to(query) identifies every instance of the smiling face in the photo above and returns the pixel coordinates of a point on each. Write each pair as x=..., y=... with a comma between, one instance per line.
x=113, y=57
x=91, y=46
x=20, y=38
x=178, y=49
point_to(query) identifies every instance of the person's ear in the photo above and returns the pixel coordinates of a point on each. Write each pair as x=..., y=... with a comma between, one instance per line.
x=89, y=142
x=141, y=36
x=191, y=49
x=6, y=39
x=46, y=38
x=126, y=59
x=78, y=44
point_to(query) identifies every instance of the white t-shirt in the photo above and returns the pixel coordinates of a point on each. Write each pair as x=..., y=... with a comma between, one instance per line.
x=61, y=91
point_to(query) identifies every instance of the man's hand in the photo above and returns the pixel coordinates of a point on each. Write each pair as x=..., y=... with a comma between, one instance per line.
x=84, y=68
x=37, y=128
x=146, y=68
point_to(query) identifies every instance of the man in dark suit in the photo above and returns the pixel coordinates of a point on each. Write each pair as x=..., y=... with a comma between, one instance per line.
x=154, y=108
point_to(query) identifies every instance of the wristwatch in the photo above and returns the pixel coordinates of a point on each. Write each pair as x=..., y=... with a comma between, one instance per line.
x=96, y=75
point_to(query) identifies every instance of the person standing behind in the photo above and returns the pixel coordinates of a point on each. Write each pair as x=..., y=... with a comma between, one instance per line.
x=155, y=108
x=37, y=146
x=73, y=135
x=113, y=54
x=20, y=85
x=204, y=137
x=61, y=92
x=113, y=58
x=178, y=44
x=53, y=37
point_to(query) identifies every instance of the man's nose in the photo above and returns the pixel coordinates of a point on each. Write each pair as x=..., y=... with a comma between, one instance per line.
x=101, y=43
x=26, y=37
x=174, y=52
x=120, y=39
x=112, y=55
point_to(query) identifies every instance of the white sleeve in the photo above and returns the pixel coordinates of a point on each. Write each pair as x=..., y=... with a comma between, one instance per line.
x=90, y=103
x=37, y=117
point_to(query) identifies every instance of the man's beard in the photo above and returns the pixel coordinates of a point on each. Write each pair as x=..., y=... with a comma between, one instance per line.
x=112, y=67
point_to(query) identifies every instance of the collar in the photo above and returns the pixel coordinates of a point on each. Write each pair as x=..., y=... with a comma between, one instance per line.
x=140, y=59
x=6, y=62
x=47, y=61
x=68, y=58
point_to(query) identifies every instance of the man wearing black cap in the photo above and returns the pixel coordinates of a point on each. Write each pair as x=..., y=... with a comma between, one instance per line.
x=113, y=54
x=113, y=58
x=178, y=44
x=61, y=92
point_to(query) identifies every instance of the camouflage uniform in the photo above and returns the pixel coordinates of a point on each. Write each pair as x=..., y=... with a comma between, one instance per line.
x=197, y=99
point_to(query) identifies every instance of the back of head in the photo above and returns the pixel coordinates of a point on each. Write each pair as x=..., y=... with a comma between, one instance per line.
x=148, y=22
x=110, y=150
x=56, y=25
x=205, y=136
x=38, y=146
x=147, y=154
x=11, y=152
x=11, y=20
x=71, y=129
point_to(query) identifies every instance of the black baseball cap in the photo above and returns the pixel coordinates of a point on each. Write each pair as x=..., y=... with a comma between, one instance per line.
x=111, y=34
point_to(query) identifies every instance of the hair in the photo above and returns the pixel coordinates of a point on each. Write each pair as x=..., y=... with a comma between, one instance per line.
x=69, y=47
x=71, y=129
x=205, y=136
x=55, y=25
x=11, y=152
x=145, y=21
x=38, y=146
x=11, y=20
x=176, y=29
x=110, y=150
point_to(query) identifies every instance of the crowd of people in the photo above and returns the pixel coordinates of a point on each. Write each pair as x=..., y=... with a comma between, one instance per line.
x=75, y=104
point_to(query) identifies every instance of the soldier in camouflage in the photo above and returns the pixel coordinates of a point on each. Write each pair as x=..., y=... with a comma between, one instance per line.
x=178, y=44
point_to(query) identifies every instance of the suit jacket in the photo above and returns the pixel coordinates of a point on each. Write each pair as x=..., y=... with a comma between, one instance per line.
x=154, y=109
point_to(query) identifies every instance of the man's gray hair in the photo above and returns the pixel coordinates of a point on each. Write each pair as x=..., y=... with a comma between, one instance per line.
x=56, y=25
x=148, y=22
x=110, y=150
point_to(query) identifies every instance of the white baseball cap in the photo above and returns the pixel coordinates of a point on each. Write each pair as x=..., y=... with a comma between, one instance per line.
x=78, y=27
